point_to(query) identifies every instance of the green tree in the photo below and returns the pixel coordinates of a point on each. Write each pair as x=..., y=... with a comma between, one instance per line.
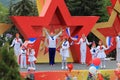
x=23, y=8
x=105, y=16
x=88, y=8
x=3, y=13
x=9, y=69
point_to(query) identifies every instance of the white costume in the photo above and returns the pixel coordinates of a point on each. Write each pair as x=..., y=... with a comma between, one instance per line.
x=118, y=48
x=52, y=39
x=64, y=51
x=52, y=47
x=83, y=49
x=23, y=59
x=101, y=54
x=101, y=51
x=17, y=43
x=31, y=58
x=93, y=51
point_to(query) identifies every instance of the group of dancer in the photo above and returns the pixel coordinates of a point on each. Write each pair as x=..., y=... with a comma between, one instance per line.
x=22, y=51
x=96, y=51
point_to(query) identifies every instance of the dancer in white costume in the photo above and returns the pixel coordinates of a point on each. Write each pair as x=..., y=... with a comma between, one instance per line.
x=31, y=57
x=23, y=57
x=118, y=48
x=64, y=51
x=101, y=53
x=93, y=50
x=52, y=45
x=17, y=42
x=83, y=48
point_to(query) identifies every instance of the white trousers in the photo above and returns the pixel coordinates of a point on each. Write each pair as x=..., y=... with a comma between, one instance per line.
x=17, y=54
x=64, y=62
x=118, y=55
x=83, y=55
x=23, y=61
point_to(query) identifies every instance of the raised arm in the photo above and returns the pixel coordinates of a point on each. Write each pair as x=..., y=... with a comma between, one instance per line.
x=58, y=34
x=46, y=32
x=106, y=48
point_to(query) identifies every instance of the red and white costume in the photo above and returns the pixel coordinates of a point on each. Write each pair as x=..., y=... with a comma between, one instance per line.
x=83, y=48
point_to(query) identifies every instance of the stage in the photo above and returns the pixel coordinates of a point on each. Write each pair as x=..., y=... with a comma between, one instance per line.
x=47, y=72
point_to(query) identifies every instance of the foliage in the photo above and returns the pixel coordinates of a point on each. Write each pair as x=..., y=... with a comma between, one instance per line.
x=88, y=8
x=24, y=8
x=3, y=13
x=106, y=77
x=21, y=8
x=8, y=65
x=105, y=15
x=5, y=38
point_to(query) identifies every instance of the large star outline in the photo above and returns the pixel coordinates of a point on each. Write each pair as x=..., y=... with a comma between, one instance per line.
x=29, y=26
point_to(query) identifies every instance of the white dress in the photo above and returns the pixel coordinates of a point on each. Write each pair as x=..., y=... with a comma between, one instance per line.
x=31, y=57
x=64, y=51
x=101, y=51
x=93, y=51
x=17, y=43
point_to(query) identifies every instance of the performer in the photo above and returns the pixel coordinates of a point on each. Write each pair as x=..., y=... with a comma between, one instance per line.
x=23, y=57
x=64, y=51
x=31, y=57
x=118, y=47
x=17, y=42
x=83, y=48
x=52, y=45
x=93, y=50
x=101, y=53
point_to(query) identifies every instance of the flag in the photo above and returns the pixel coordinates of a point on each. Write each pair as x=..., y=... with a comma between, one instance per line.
x=75, y=37
x=108, y=41
x=68, y=31
x=31, y=40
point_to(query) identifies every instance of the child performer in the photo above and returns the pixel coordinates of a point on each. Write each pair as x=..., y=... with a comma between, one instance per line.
x=23, y=57
x=93, y=50
x=101, y=53
x=31, y=57
x=17, y=42
x=64, y=51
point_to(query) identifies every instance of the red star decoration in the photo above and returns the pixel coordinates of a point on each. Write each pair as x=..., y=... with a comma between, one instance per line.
x=115, y=28
x=54, y=13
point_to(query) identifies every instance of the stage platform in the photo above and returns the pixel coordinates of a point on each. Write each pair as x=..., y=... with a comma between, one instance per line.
x=76, y=66
x=47, y=72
